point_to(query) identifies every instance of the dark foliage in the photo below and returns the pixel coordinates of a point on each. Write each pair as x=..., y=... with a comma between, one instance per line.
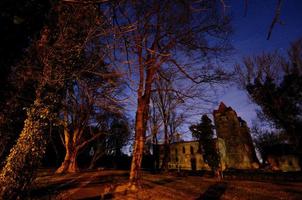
x=21, y=23
x=204, y=133
x=280, y=95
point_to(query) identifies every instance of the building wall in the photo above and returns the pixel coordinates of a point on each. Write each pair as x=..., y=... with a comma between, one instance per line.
x=285, y=163
x=239, y=149
x=184, y=156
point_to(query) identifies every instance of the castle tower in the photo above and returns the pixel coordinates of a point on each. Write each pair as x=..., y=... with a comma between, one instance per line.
x=239, y=149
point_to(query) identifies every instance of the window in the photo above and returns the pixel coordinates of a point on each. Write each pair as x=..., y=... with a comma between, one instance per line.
x=191, y=150
x=183, y=150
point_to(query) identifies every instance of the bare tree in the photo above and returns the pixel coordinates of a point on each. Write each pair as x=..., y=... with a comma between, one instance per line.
x=83, y=102
x=164, y=34
x=167, y=102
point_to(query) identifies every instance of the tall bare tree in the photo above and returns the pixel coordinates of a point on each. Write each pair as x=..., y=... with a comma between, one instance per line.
x=164, y=34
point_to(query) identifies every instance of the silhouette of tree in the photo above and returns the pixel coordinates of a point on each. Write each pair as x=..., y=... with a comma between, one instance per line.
x=207, y=146
x=274, y=82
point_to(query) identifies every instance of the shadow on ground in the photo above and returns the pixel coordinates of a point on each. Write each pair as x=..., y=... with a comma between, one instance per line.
x=214, y=192
x=56, y=187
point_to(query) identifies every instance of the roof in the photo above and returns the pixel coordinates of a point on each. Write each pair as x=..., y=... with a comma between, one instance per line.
x=222, y=108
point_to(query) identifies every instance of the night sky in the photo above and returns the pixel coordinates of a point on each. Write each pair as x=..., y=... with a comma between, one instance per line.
x=249, y=38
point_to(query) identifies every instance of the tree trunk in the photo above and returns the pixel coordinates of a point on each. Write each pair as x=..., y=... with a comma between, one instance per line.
x=69, y=165
x=165, y=162
x=143, y=100
x=70, y=161
x=25, y=156
x=73, y=165
x=138, y=145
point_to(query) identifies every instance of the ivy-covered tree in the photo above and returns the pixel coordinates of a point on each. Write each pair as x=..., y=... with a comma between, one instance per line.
x=59, y=54
x=204, y=133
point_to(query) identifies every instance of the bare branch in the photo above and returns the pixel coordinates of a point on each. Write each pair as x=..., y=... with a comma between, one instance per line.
x=276, y=19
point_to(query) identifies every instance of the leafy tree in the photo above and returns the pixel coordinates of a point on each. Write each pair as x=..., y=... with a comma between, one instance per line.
x=274, y=82
x=204, y=133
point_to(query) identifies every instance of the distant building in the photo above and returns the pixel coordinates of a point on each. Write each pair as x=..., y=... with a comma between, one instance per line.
x=184, y=155
x=234, y=144
x=281, y=157
x=236, y=141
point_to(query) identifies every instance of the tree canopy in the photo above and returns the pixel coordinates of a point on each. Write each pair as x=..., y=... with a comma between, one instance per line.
x=274, y=82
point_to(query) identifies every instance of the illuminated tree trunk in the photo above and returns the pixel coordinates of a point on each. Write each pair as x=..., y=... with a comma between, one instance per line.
x=144, y=94
x=72, y=147
x=138, y=144
x=73, y=165
x=70, y=161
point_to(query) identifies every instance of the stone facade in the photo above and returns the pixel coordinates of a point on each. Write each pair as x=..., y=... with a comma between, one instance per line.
x=284, y=163
x=236, y=142
x=184, y=156
x=281, y=157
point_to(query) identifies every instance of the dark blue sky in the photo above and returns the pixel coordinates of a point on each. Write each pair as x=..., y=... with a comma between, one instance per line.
x=249, y=38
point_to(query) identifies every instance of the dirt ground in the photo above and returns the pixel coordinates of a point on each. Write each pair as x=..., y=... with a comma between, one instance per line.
x=100, y=184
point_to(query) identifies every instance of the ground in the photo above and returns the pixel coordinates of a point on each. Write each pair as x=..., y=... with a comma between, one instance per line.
x=100, y=184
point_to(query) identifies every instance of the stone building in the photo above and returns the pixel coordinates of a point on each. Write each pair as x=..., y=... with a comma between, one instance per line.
x=235, y=140
x=235, y=147
x=184, y=155
x=281, y=157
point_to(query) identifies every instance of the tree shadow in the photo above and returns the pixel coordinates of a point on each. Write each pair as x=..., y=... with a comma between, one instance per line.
x=163, y=181
x=55, y=188
x=105, y=197
x=214, y=192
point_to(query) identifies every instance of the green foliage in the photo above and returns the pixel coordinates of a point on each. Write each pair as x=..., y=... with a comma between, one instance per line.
x=203, y=131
